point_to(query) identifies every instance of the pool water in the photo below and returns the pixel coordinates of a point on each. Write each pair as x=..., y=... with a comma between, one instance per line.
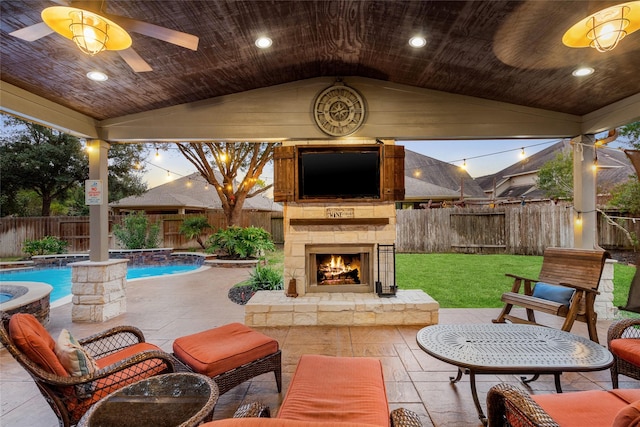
x=60, y=278
x=5, y=297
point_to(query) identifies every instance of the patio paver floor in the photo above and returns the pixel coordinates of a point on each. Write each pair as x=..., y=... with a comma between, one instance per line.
x=168, y=307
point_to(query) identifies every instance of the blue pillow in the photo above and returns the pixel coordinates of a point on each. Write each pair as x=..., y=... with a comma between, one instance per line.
x=555, y=293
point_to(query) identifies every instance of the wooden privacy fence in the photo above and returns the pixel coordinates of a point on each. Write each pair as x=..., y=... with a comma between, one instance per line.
x=524, y=230
x=14, y=231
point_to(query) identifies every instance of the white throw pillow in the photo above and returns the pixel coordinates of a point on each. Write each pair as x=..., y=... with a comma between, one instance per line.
x=75, y=359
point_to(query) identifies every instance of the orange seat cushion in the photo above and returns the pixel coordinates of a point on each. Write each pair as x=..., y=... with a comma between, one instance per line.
x=219, y=350
x=629, y=416
x=35, y=342
x=107, y=385
x=277, y=422
x=337, y=389
x=627, y=349
x=583, y=408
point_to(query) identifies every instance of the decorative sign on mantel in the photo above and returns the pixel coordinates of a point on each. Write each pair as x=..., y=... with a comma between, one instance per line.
x=339, y=213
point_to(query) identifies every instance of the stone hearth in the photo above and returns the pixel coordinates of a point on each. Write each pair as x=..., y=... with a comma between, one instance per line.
x=407, y=307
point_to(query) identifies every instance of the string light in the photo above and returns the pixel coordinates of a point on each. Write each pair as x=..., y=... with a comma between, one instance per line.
x=464, y=164
x=523, y=155
x=157, y=154
x=579, y=219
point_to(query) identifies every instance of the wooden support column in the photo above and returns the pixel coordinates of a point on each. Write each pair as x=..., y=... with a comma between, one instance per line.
x=584, y=193
x=99, y=214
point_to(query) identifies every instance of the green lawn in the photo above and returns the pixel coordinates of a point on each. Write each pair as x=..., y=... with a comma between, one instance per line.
x=468, y=280
x=478, y=281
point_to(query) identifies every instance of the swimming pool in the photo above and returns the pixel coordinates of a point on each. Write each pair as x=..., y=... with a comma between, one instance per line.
x=60, y=278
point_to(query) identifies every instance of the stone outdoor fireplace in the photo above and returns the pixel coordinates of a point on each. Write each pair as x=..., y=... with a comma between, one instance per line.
x=339, y=238
x=331, y=242
x=339, y=268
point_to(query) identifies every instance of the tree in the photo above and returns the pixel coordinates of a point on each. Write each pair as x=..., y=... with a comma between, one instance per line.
x=632, y=133
x=555, y=177
x=626, y=196
x=223, y=163
x=34, y=157
x=46, y=167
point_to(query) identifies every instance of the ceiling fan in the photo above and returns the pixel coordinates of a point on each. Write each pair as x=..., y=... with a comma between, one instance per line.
x=93, y=30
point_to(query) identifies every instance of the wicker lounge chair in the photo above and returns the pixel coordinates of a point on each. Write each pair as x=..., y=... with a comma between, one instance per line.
x=121, y=354
x=623, y=340
x=508, y=405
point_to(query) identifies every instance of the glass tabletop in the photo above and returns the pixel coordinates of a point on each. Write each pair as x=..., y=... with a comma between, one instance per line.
x=170, y=400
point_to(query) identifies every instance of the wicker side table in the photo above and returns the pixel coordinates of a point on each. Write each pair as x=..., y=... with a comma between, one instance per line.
x=170, y=400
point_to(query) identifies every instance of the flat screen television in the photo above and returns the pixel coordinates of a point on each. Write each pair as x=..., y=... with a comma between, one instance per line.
x=339, y=172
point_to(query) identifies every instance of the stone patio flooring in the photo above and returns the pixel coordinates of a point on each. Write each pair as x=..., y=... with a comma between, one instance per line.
x=169, y=307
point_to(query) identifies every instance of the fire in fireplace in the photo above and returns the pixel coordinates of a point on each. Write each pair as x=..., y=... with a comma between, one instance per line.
x=339, y=268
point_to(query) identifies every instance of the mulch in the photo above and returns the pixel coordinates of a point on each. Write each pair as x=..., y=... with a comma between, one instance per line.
x=240, y=294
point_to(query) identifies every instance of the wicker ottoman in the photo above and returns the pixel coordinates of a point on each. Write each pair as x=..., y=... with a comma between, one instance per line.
x=230, y=354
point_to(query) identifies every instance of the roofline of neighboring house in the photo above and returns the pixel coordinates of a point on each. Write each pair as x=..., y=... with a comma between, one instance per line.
x=521, y=173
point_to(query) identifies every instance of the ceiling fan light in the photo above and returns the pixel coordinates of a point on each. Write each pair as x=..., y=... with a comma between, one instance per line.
x=91, y=32
x=607, y=28
x=604, y=29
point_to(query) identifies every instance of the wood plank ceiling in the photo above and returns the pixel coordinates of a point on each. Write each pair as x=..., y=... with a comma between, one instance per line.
x=507, y=51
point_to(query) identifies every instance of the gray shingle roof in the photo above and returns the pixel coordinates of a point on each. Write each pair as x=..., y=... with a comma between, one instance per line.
x=190, y=191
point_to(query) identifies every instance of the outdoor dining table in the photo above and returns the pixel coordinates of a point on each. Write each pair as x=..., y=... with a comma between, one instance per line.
x=520, y=349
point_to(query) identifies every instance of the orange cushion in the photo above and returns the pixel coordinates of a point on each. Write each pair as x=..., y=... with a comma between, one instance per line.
x=335, y=389
x=627, y=349
x=629, y=395
x=104, y=386
x=219, y=350
x=276, y=422
x=35, y=342
x=629, y=416
x=582, y=408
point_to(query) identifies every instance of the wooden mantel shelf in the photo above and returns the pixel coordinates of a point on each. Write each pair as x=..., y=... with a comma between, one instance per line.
x=339, y=221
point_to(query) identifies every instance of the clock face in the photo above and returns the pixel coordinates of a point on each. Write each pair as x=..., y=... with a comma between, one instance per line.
x=339, y=111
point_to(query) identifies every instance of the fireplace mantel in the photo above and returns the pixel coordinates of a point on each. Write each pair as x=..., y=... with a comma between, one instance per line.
x=339, y=221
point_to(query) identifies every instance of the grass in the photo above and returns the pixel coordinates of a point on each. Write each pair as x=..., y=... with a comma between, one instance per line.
x=478, y=281
x=469, y=280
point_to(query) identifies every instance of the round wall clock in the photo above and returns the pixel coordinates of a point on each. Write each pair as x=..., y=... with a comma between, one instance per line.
x=339, y=110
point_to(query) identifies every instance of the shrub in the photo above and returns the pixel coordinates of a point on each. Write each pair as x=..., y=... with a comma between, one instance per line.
x=240, y=243
x=265, y=279
x=136, y=233
x=194, y=228
x=48, y=245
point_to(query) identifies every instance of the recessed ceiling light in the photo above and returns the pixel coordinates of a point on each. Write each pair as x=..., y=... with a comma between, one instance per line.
x=583, y=71
x=417, y=41
x=97, y=76
x=263, y=42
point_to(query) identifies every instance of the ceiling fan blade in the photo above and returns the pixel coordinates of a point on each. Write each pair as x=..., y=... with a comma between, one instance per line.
x=134, y=60
x=178, y=38
x=32, y=32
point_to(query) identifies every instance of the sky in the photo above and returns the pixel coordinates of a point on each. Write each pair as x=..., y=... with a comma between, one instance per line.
x=483, y=157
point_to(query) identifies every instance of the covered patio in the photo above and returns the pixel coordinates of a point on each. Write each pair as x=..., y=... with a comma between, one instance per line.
x=166, y=308
x=488, y=70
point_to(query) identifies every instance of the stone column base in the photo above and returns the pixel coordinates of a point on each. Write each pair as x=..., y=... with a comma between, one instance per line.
x=603, y=305
x=99, y=290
